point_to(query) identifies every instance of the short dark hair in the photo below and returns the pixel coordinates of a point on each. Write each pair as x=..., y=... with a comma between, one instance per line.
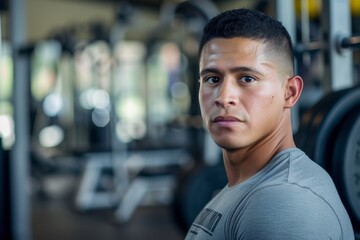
x=252, y=24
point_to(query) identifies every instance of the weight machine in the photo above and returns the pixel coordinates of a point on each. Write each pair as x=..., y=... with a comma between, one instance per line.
x=329, y=131
x=135, y=181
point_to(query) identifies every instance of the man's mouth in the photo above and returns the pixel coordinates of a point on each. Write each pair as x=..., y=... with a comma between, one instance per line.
x=226, y=119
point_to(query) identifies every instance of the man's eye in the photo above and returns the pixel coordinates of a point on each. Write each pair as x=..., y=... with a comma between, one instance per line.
x=212, y=80
x=247, y=79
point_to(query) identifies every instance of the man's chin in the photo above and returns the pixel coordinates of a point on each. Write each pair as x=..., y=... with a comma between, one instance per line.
x=227, y=145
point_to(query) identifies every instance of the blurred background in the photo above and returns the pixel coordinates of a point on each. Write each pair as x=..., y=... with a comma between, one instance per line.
x=100, y=131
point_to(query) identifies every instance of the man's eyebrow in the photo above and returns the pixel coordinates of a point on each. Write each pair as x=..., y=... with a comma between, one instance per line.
x=234, y=69
x=209, y=70
x=246, y=69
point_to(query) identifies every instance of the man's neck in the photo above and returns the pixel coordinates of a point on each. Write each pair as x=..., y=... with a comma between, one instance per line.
x=241, y=164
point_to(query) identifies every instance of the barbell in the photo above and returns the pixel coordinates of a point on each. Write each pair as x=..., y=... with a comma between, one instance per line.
x=341, y=43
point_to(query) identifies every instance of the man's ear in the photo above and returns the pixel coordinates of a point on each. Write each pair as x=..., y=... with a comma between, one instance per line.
x=293, y=89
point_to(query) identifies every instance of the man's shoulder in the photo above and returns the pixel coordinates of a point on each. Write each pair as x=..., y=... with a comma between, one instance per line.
x=284, y=193
x=289, y=209
x=299, y=169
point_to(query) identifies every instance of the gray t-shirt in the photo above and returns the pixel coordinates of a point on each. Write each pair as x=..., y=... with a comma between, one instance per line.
x=290, y=198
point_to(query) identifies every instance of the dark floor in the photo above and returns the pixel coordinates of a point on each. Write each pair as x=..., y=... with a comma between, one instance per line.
x=55, y=218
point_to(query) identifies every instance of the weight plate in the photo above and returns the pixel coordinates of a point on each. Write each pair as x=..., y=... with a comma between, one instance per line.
x=195, y=188
x=331, y=111
x=312, y=119
x=346, y=165
x=308, y=116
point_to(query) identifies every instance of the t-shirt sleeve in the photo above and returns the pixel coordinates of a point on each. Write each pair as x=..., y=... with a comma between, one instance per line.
x=285, y=211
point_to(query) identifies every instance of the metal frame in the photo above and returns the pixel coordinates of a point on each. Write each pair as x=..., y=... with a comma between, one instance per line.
x=19, y=156
x=285, y=14
x=336, y=19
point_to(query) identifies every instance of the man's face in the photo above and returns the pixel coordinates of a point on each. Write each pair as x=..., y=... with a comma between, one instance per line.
x=242, y=93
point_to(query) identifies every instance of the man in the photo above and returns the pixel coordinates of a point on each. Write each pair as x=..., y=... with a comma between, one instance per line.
x=247, y=88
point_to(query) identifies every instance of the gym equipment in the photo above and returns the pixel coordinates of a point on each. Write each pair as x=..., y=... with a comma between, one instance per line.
x=189, y=196
x=329, y=134
x=314, y=7
x=195, y=188
x=346, y=173
x=328, y=129
x=161, y=90
x=19, y=155
x=197, y=184
x=179, y=82
x=322, y=118
x=335, y=45
x=5, y=200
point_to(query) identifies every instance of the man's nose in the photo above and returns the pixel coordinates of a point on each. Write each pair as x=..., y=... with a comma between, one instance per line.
x=227, y=94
